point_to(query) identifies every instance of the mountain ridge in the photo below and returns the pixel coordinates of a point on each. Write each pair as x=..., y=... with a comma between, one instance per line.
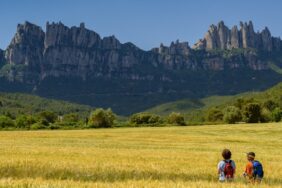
x=76, y=64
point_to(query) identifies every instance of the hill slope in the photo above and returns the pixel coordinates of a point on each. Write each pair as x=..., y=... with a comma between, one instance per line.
x=16, y=103
x=195, y=108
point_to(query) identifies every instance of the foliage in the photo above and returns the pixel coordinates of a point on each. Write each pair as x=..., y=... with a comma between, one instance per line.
x=6, y=122
x=17, y=104
x=277, y=114
x=214, y=115
x=37, y=125
x=101, y=118
x=47, y=117
x=145, y=119
x=25, y=121
x=176, y=119
x=232, y=114
x=270, y=105
x=252, y=113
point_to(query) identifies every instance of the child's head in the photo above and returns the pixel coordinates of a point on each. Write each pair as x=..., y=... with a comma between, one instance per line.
x=226, y=154
x=251, y=156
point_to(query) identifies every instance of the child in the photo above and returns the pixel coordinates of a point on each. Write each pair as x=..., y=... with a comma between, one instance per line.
x=254, y=171
x=226, y=168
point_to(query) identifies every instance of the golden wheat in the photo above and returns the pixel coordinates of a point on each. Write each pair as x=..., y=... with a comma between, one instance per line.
x=136, y=157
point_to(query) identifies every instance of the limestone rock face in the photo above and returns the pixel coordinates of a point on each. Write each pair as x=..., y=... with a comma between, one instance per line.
x=224, y=36
x=64, y=51
x=27, y=46
x=235, y=38
x=221, y=37
x=2, y=57
x=77, y=51
x=211, y=38
x=25, y=52
x=267, y=41
x=175, y=56
x=60, y=35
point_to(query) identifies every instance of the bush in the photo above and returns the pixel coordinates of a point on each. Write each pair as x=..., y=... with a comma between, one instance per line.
x=232, y=115
x=24, y=121
x=277, y=114
x=71, y=119
x=101, y=118
x=176, y=119
x=214, y=115
x=54, y=127
x=6, y=122
x=270, y=105
x=47, y=117
x=252, y=113
x=145, y=119
x=265, y=115
x=37, y=126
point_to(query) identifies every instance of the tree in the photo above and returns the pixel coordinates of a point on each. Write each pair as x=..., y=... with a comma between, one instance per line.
x=101, y=118
x=232, y=114
x=265, y=115
x=71, y=119
x=145, y=119
x=277, y=114
x=252, y=113
x=47, y=117
x=214, y=115
x=176, y=118
x=241, y=102
x=24, y=121
x=270, y=105
x=6, y=122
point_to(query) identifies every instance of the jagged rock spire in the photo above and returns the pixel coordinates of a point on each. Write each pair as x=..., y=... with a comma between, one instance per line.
x=221, y=37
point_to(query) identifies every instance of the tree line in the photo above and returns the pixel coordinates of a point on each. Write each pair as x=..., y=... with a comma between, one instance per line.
x=243, y=110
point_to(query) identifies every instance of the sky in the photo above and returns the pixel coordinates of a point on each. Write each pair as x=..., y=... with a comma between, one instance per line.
x=146, y=23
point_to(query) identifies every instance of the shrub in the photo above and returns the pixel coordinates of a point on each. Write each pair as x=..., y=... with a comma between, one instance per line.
x=47, y=117
x=145, y=119
x=270, y=105
x=277, y=114
x=232, y=114
x=241, y=102
x=53, y=127
x=252, y=113
x=6, y=122
x=214, y=115
x=265, y=115
x=24, y=121
x=37, y=126
x=176, y=119
x=71, y=119
x=101, y=118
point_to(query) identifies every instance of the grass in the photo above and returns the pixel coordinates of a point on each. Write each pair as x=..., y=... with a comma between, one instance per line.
x=136, y=157
x=19, y=103
x=275, y=67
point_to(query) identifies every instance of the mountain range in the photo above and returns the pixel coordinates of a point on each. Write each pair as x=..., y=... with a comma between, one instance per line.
x=76, y=64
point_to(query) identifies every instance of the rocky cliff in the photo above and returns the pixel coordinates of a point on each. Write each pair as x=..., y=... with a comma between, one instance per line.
x=76, y=64
x=79, y=52
x=221, y=37
x=2, y=58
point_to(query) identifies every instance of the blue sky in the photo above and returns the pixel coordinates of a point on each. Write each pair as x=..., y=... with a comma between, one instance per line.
x=146, y=23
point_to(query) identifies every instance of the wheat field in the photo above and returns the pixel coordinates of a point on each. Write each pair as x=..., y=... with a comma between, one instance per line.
x=137, y=157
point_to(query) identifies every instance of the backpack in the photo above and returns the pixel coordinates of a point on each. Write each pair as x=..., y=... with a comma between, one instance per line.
x=257, y=169
x=228, y=169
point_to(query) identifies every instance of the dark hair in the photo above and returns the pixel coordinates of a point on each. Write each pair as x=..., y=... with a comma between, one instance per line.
x=251, y=155
x=226, y=154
